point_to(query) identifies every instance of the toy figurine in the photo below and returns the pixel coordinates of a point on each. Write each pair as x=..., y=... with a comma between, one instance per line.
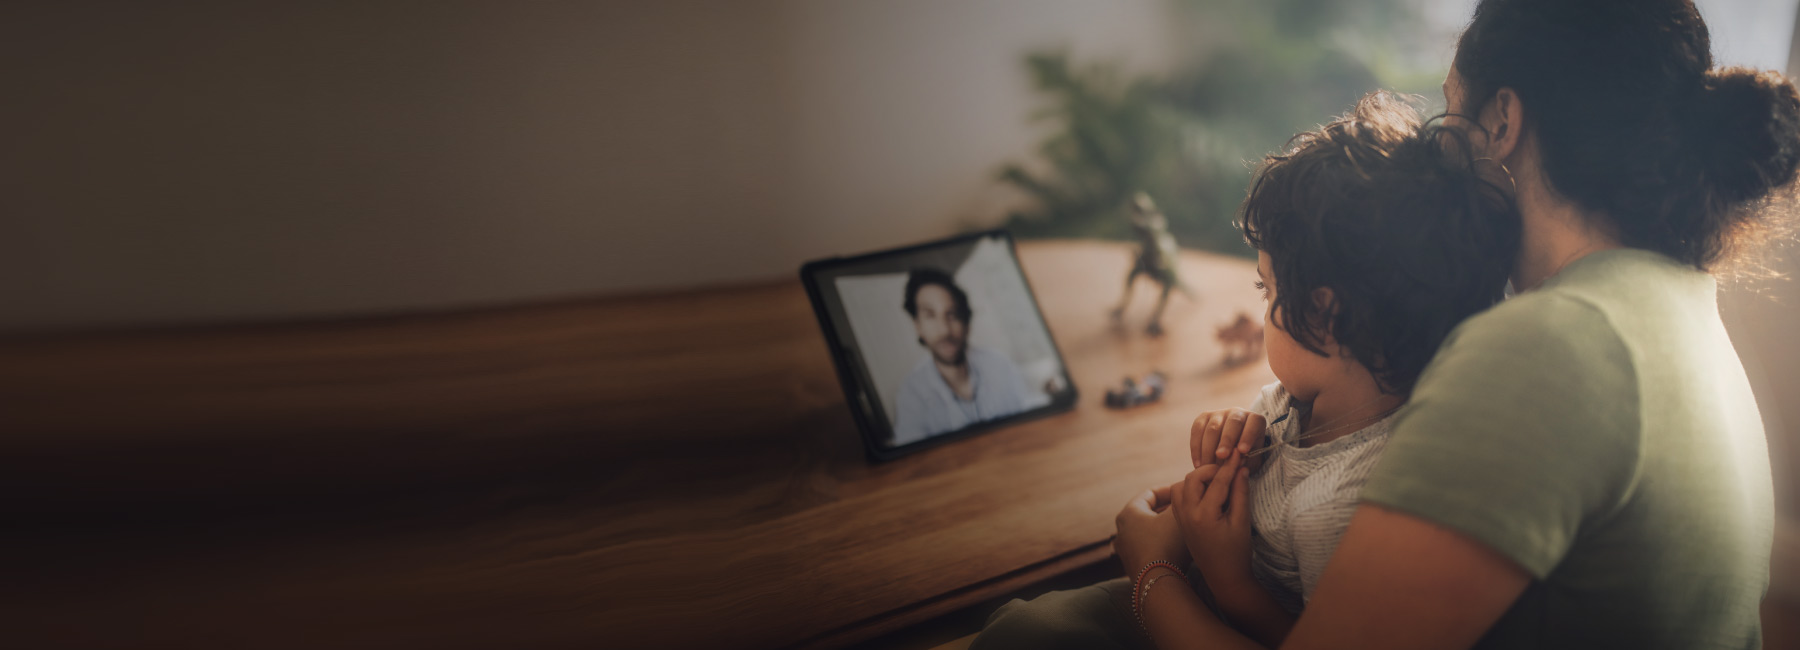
x=1242, y=340
x=1132, y=393
x=1156, y=257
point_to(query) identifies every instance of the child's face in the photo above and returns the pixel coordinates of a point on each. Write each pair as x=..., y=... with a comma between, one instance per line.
x=1301, y=372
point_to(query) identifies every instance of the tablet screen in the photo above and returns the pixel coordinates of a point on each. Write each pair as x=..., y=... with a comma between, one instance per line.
x=939, y=339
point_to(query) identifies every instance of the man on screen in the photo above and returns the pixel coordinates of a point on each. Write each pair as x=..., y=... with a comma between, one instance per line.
x=955, y=385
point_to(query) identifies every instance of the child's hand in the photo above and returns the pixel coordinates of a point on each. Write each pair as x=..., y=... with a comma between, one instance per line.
x=1148, y=532
x=1216, y=433
x=1212, y=505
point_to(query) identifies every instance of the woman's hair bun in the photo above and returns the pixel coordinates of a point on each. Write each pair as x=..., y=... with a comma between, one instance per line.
x=1746, y=132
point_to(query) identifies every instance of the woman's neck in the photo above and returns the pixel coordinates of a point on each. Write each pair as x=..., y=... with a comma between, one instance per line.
x=1554, y=231
x=1347, y=407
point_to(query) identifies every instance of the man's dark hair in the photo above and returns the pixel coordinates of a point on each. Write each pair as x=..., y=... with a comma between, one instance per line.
x=918, y=278
x=1394, y=218
x=1634, y=122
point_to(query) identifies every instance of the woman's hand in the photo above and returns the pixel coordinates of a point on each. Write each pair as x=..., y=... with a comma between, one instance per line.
x=1148, y=532
x=1212, y=506
x=1216, y=433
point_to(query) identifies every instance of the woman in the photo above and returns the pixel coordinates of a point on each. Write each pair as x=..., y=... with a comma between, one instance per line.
x=1583, y=465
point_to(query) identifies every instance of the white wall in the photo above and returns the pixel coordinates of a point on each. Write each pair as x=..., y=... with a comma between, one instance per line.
x=1762, y=316
x=184, y=162
x=1756, y=33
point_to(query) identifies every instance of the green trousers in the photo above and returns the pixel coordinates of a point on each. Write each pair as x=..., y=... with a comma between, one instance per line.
x=1097, y=616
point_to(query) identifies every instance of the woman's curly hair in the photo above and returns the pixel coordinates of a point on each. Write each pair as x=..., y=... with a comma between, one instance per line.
x=1409, y=232
x=1634, y=123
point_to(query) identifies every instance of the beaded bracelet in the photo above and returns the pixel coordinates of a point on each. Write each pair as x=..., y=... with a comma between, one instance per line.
x=1139, y=589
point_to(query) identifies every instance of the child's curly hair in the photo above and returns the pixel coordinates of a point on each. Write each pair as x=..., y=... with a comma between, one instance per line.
x=1391, y=214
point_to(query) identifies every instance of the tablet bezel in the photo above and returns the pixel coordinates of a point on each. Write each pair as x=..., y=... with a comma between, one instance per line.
x=853, y=375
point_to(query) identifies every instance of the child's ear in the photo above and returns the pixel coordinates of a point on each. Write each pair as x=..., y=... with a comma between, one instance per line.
x=1325, y=307
x=1325, y=301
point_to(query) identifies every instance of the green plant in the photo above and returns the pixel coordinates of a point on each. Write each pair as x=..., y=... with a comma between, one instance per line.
x=1191, y=139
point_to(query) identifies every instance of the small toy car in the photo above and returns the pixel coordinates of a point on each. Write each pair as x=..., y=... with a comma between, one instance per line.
x=1131, y=393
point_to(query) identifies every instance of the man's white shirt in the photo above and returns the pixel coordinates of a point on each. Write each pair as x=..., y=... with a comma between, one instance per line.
x=926, y=406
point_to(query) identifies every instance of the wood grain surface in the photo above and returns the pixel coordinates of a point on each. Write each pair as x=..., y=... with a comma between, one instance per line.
x=664, y=471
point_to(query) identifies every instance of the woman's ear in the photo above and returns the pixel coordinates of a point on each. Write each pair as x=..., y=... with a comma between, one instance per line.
x=1504, y=119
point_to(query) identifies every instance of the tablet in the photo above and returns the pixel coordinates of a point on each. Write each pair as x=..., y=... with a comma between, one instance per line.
x=937, y=342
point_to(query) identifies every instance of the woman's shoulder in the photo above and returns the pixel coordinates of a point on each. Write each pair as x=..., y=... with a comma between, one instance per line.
x=1592, y=304
x=1549, y=361
x=1537, y=399
x=1547, y=368
x=1559, y=329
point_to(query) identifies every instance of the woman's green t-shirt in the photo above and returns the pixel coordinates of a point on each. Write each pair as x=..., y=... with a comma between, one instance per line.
x=1600, y=432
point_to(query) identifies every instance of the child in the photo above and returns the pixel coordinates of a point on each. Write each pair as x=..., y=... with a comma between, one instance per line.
x=1375, y=236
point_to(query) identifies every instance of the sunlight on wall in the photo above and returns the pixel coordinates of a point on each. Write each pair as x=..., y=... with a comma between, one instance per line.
x=1760, y=315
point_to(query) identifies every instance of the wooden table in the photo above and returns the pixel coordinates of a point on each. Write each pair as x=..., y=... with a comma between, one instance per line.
x=654, y=471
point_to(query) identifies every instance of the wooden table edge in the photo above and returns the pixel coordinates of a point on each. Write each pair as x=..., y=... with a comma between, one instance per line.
x=957, y=599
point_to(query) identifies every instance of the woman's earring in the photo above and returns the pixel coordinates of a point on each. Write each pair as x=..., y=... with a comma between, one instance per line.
x=1508, y=172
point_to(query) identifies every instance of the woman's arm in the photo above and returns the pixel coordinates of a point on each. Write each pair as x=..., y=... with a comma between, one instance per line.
x=1395, y=581
x=1398, y=581
x=1252, y=608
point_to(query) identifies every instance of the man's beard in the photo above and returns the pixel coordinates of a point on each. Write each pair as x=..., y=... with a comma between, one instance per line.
x=958, y=359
